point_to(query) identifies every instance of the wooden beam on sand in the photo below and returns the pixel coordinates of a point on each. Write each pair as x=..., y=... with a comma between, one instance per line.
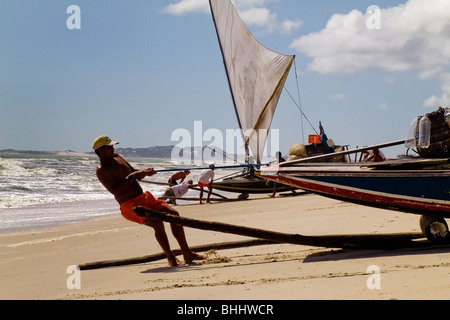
x=373, y=242
x=204, y=199
x=212, y=193
x=160, y=256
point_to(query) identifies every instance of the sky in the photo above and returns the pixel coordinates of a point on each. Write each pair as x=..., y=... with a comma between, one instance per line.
x=139, y=70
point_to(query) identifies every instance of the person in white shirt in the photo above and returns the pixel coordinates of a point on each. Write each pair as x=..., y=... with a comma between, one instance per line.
x=205, y=180
x=176, y=191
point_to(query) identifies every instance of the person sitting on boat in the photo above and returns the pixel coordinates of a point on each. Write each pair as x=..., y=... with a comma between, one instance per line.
x=181, y=175
x=205, y=181
x=177, y=191
x=374, y=156
x=120, y=178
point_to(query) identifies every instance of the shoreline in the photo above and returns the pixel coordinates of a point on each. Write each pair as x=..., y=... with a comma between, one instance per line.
x=56, y=226
x=29, y=218
x=35, y=265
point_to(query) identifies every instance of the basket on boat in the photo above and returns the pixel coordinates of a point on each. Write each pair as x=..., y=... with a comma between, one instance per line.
x=439, y=146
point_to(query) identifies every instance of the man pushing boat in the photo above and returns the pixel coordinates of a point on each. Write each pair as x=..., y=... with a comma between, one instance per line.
x=119, y=178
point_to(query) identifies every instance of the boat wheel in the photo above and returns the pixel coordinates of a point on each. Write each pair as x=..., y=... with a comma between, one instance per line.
x=434, y=228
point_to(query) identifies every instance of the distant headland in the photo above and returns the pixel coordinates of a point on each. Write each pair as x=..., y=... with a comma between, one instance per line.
x=160, y=152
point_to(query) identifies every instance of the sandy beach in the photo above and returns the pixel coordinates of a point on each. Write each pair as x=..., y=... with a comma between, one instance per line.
x=34, y=265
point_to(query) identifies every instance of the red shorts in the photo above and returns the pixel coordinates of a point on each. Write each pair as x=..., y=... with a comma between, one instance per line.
x=146, y=200
x=201, y=185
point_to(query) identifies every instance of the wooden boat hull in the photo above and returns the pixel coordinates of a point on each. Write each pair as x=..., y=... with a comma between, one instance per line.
x=253, y=185
x=421, y=191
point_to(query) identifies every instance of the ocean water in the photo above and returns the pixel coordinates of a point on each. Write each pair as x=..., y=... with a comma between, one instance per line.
x=41, y=190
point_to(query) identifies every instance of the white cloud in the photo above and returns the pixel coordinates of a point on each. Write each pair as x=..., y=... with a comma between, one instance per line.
x=187, y=6
x=444, y=100
x=259, y=17
x=253, y=12
x=339, y=96
x=289, y=26
x=413, y=36
x=432, y=102
x=383, y=106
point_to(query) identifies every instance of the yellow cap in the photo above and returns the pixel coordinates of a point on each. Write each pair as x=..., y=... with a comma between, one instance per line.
x=103, y=141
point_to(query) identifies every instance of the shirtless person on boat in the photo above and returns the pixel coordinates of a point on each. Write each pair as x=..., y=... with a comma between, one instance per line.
x=375, y=156
x=181, y=175
x=119, y=178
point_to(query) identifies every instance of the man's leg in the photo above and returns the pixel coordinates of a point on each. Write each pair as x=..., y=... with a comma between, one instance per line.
x=161, y=237
x=178, y=233
x=209, y=193
x=201, y=195
x=275, y=187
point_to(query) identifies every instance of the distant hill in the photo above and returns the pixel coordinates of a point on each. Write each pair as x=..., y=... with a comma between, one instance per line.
x=166, y=152
x=12, y=151
x=152, y=152
x=161, y=152
x=170, y=152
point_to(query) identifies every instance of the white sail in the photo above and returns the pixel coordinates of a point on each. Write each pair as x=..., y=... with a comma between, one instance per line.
x=256, y=75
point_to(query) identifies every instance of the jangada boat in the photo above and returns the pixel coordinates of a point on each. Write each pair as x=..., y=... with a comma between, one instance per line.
x=417, y=185
x=256, y=77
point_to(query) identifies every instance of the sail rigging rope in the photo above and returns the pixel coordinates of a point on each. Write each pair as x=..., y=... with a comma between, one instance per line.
x=223, y=154
x=299, y=100
x=299, y=103
x=287, y=91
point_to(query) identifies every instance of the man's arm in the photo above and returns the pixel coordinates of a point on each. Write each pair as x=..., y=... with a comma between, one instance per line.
x=141, y=174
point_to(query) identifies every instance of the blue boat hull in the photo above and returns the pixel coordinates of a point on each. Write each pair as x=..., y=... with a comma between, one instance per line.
x=419, y=191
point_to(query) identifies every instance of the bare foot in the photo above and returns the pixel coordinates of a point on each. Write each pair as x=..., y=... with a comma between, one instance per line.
x=173, y=262
x=193, y=256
